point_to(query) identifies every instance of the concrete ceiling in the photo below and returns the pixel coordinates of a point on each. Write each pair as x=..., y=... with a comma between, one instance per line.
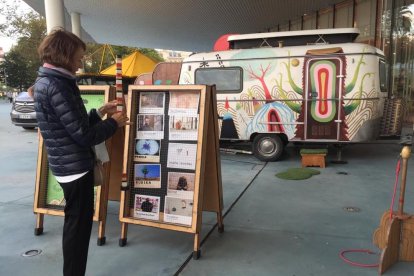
x=188, y=25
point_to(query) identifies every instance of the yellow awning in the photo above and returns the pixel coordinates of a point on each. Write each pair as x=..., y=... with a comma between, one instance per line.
x=132, y=65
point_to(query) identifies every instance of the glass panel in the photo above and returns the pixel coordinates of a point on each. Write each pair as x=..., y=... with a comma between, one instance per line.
x=400, y=50
x=227, y=80
x=365, y=11
x=383, y=76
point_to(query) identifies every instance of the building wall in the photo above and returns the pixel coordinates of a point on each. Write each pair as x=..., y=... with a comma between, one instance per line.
x=173, y=56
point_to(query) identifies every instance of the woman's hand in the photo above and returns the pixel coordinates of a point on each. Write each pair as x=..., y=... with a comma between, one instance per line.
x=109, y=108
x=120, y=118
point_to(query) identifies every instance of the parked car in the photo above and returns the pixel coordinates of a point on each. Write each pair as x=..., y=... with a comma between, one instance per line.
x=23, y=113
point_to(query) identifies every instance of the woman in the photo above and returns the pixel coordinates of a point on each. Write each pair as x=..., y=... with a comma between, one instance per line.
x=69, y=135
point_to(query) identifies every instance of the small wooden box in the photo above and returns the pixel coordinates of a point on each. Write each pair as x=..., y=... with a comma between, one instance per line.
x=313, y=157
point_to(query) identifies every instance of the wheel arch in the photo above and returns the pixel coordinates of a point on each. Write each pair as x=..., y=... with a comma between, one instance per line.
x=282, y=136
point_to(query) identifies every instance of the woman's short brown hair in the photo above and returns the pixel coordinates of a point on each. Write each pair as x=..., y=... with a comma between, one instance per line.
x=59, y=47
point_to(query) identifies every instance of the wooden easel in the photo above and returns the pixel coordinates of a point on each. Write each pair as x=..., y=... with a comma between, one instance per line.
x=395, y=236
x=112, y=172
x=208, y=187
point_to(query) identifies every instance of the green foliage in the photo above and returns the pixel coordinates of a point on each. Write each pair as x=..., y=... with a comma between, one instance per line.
x=313, y=151
x=152, y=54
x=2, y=74
x=101, y=56
x=97, y=57
x=29, y=29
x=18, y=74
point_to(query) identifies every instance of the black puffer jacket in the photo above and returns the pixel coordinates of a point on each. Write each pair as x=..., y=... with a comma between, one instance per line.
x=67, y=130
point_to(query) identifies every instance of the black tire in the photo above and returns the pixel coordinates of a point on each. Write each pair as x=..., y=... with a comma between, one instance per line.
x=29, y=128
x=267, y=147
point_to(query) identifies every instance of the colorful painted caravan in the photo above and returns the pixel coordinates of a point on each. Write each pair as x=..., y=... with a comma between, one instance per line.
x=313, y=86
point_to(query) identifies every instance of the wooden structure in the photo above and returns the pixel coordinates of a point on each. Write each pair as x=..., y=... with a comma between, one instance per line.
x=48, y=193
x=207, y=188
x=144, y=79
x=395, y=235
x=166, y=73
x=313, y=158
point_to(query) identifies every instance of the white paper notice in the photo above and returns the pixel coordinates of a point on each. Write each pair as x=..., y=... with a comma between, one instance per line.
x=184, y=103
x=183, y=128
x=178, y=210
x=147, y=207
x=182, y=156
x=150, y=126
x=151, y=102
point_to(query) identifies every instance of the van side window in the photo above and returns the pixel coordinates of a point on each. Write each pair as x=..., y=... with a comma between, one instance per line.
x=383, y=76
x=227, y=80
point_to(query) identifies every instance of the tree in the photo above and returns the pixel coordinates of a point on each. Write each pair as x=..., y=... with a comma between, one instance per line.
x=145, y=171
x=29, y=29
x=151, y=53
x=2, y=74
x=17, y=71
x=100, y=56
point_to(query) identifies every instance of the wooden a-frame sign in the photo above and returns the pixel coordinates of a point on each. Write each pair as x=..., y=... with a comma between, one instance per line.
x=207, y=194
x=46, y=187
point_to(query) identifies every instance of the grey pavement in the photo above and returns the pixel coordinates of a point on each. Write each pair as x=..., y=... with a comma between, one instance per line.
x=272, y=226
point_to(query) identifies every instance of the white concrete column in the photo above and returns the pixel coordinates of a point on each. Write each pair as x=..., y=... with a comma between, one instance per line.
x=76, y=24
x=76, y=30
x=55, y=14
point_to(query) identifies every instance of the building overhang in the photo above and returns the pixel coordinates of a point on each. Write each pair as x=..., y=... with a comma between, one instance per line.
x=187, y=25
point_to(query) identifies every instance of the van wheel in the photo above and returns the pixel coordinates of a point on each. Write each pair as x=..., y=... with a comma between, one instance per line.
x=28, y=128
x=267, y=147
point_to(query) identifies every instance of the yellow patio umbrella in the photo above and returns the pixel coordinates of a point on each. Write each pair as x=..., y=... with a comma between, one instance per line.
x=132, y=65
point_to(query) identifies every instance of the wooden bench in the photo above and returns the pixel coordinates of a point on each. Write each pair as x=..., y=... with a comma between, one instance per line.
x=313, y=157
